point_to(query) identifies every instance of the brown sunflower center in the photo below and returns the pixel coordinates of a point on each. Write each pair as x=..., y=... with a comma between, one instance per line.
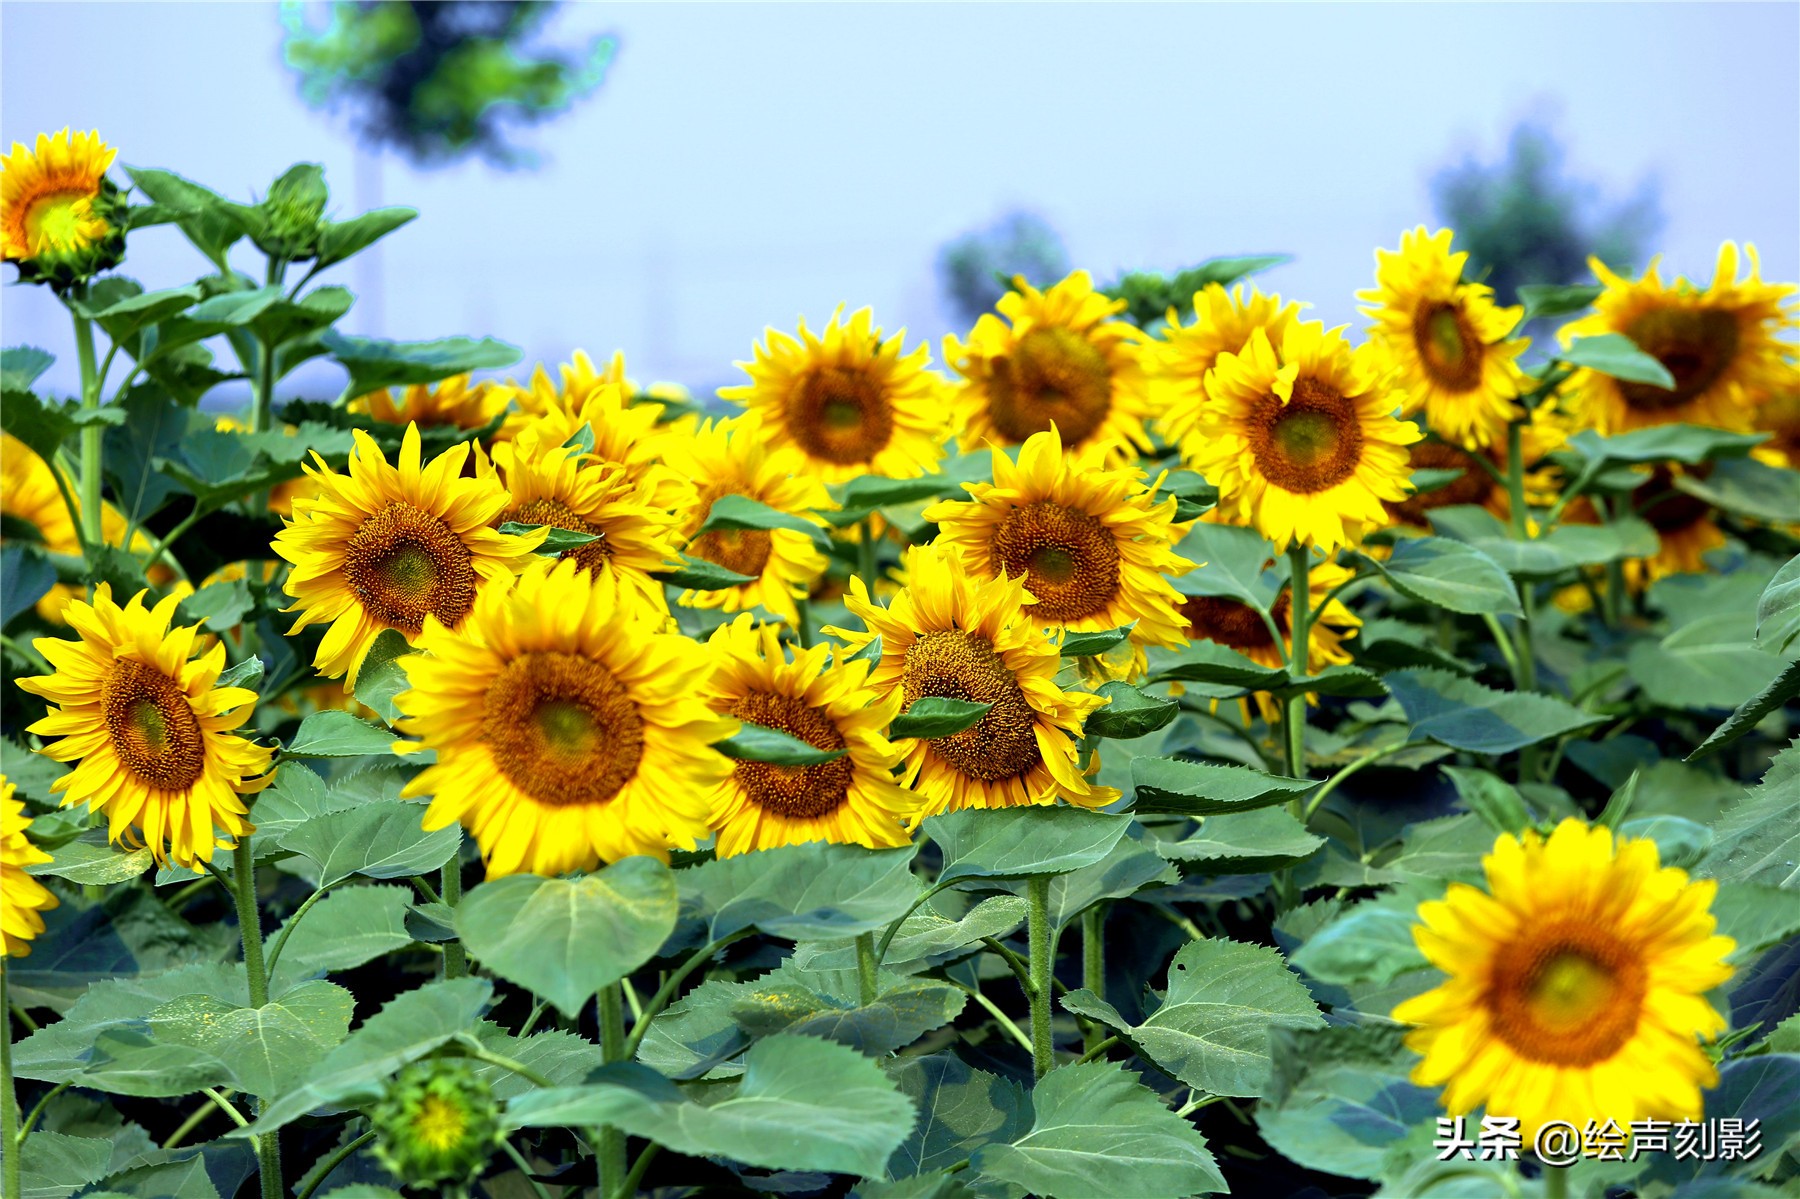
x=1473, y=487
x=957, y=665
x=797, y=792
x=1232, y=624
x=403, y=563
x=744, y=550
x=153, y=727
x=1781, y=417
x=1665, y=507
x=558, y=515
x=1696, y=345
x=1069, y=559
x=1054, y=375
x=562, y=729
x=841, y=414
x=1447, y=345
x=1308, y=444
x=1566, y=992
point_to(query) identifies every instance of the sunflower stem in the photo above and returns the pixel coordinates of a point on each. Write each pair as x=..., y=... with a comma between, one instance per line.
x=1556, y=1182
x=1042, y=967
x=609, y=1142
x=1300, y=630
x=803, y=623
x=456, y=958
x=243, y=889
x=865, y=555
x=9, y=1100
x=1093, y=968
x=92, y=433
x=867, y=984
x=1530, y=757
x=629, y=1186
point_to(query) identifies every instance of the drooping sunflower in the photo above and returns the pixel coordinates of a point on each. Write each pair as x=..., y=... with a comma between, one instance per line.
x=1685, y=529
x=1185, y=354
x=954, y=634
x=732, y=457
x=595, y=413
x=59, y=213
x=457, y=401
x=1094, y=546
x=383, y=547
x=1304, y=445
x=560, y=487
x=851, y=799
x=139, y=711
x=849, y=401
x=1577, y=985
x=21, y=896
x=1058, y=358
x=1723, y=346
x=569, y=728
x=1448, y=339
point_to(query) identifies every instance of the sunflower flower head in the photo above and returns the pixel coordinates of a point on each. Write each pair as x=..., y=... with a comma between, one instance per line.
x=436, y=1123
x=568, y=725
x=457, y=401
x=61, y=218
x=1186, y=354
x=22, y=897
x=136, y=708
x=386, y=545
x=1576, y=985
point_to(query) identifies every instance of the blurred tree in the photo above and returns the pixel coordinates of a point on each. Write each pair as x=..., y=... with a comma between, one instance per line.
x=973, y=268
x=1524, y=221
x=440, y=81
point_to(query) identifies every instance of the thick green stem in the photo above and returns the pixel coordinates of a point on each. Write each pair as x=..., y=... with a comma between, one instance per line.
x=803, y=623
x=865, y=555
x=1300, y=629
x=456, y=958
x=243, y=888
x=91, y=435
x=1556, y=1182
x=1042, y=967
x=1093, y=966
x=866, y=982
x=610, y=1141
x=645, y=1156
x=333, y=1160
x=1530, y=756
x=9, y=1100
x=666, y=992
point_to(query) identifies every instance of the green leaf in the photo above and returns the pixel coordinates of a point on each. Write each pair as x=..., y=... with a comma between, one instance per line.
x=1220, y=671
x=42, y=427
x=338, y=734
x=1552, y=299
x=1692, y=444
x=92, y=861
x=864, y=494
x=1778, y=694
x=375, y=363
x=1097, y=1131
x=348, y=927
x=960, y=1110
x=738, y=512
x=1433, y=480
x=297, y=795
x=377, y=840
x=1177, y=786
x=1087, y=645
x=803, y=1104
x=338, y=240
x=1370, y=941
x=901, y=1013
x=204, y=214
x=1212, y=1029
x=409, y=1027
x=268, y=1050
x=1758, y=917
x=1778, y=609
x=555, y=541
x=1490, y=797
x=697, y=574
x=1617, y=355
x=1758, y=840
x=932, y=716
x=1245, y=843
x=26, y=576
x=63, y=1051
x=1447, y=849
x=757, y=743
x=1129, y=867
x=1747, y=487
x=1450, y=574
x=1129, y=713
x=125, y=316
x=220, y=607
x=1231, y=561
x=1463, y=714
x=1705, y=663
x=382, y=675
x=1020, y=842
x=564, y=939
x=1351, y=681
x=20, y=366
x=926, y=934
x=1680, y=842
x=810, y=892
x=54, y=1164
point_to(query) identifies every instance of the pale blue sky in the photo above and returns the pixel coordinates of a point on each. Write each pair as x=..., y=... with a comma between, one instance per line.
x=746, y=164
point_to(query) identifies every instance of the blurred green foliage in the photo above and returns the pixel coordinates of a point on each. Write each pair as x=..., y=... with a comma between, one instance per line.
x=976, y=269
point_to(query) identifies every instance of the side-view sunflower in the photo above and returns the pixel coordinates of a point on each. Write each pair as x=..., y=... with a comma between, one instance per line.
x=851, y=402
x=1476, y=484
x=22, y=897
x=1058, y=359
x=1095, y=548
x=1237, y=626
x=1778, y=415
x=1723, y=346
x=953, y=634
x=1304, y=445
x=562, y=488
x=596, y=414
x=383, y=547
x=60, y=216
x=1185, y=354
x=457, y=401
x=569, y=728
x=576, y=380
x=1448, y=339
x=1685, y=529
x=140, y=713
x=1577, y=984
x=850, y=799
x=731, y=457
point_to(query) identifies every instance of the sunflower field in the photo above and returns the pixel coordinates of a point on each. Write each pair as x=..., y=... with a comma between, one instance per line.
x=1151, y=745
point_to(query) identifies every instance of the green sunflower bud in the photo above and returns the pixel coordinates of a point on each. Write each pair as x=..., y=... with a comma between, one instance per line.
x=437, y=1123
x=288, y=222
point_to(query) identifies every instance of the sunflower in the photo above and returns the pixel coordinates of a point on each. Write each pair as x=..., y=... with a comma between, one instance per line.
x=385, y=547
x=456, y=401
x=139, y=711
x=1448, y=339
x=1778, y=415
x=1058, y=359
x=1186, y=354
x=1577, y=984
x=560, y=487
x=1238, y=626
x=1685, y=529
x=731, y=457
x=851, y=403
x=1095, y=548
x=954, y=634
x=1303, y=446
x=850, y=799
x=576, y=380
x=58, y=211
x=1476, y=485
x=596, y=413
x=21, y=896
x=568, y=726
x=1722, y=345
